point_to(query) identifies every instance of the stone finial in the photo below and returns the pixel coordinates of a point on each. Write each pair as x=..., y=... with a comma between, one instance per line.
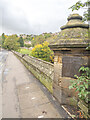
x=74, y=16
x=74, y=33
x=74, y=20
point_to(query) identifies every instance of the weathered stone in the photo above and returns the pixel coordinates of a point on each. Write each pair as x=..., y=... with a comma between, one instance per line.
x=57, y=92
x=75, y=20
x=73, y=34
x=44, y=71
x=70, y=44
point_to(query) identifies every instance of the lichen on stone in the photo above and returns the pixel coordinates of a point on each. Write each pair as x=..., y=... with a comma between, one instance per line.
x=75, y=31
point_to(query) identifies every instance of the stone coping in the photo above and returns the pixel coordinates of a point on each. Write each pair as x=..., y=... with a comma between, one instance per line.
x=40, y=60
x=74, y=16
x=33, y=58
x=70, y=44
x=67, y=46
x=74, y=26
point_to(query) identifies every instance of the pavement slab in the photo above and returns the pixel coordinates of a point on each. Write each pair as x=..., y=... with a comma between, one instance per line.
x=25, y=88
x=33, y=99
x=42, y=111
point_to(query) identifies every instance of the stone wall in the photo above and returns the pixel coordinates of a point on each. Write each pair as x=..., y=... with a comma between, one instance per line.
x=42, y=70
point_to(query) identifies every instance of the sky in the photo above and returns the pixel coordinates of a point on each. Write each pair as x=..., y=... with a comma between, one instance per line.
x=34, y=16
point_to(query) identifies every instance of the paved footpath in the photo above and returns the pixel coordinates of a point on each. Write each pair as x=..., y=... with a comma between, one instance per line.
x=24, y=96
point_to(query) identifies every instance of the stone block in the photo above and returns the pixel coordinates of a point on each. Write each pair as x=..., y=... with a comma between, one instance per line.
x=56, y=78
x=65, y=83
x=57, y=92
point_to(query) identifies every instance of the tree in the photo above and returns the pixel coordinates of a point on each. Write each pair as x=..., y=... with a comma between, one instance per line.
x=21, y=42
x=42, y=51
x=0, y=41
x=27, y=45
x=39, y=39
x=3, y=39
x=11, y=43
x=86, y=5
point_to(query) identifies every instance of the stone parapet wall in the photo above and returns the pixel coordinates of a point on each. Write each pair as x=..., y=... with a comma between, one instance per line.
x=42, y=70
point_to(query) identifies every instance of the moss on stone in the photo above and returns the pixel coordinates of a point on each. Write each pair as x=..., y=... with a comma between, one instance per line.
x=44, y=79
x=74, y=34
x=73, y=101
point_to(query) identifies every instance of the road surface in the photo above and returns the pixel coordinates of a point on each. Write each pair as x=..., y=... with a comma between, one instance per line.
x=23, y=95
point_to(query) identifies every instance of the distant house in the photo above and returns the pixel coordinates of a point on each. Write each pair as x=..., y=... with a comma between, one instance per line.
x=23, y=36
x=27, y=42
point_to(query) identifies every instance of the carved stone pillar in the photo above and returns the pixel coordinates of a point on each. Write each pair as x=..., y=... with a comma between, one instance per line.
x=70, y=54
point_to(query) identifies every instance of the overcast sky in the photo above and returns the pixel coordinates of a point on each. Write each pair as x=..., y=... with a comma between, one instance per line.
x=34, y=16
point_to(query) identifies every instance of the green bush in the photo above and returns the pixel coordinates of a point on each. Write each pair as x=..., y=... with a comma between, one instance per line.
x=81, y=83
x=11, y=43
x=43, y=52
x=25, y=51
x=27, y=45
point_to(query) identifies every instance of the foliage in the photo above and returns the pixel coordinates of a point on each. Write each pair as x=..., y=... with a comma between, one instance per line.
x=25, y=51
x=11, y=43
x=3, y=39
x=27, y=45
x=36, y=39
x=43, y=51
x=0, y=41
x=88, y=48
x=21, y=42
x=47, y=35
x=79, y=5
x=39, y=39
x=28, y=38
x=81, y=83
